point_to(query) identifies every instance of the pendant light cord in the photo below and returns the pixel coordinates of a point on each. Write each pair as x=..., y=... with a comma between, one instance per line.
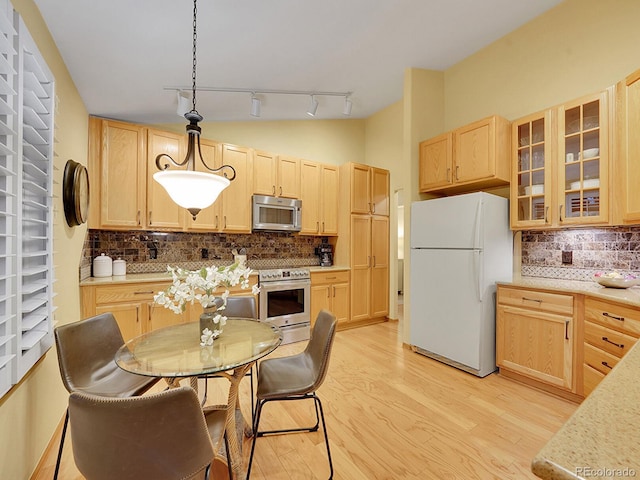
x=193, y=75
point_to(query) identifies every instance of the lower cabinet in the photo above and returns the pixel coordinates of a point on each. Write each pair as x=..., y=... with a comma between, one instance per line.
x=610, y=330
x=536, y=336
x=330, y=291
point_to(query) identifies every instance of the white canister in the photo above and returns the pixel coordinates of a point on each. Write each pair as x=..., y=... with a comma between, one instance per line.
x=119, y=267
x=102, y=266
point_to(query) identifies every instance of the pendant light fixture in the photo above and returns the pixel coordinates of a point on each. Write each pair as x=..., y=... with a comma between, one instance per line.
x=189, y=188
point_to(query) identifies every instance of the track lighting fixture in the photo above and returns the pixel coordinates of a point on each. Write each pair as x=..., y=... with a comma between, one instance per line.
x=313, y=107
x=255, y=105
x=346, y=110
x=191, y=189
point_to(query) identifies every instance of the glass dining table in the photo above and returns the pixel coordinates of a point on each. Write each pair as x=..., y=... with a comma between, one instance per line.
x=174, y=353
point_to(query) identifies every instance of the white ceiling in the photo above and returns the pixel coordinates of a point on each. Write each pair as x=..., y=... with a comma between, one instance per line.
x=123, y=53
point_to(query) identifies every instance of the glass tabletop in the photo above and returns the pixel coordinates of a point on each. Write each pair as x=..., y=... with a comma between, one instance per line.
x=175, y=351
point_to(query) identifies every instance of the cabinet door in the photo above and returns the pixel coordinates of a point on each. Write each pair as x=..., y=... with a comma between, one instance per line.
x=128, y=315
x=329, y=184
x=159, y=317
x=320, y=299
x=288, y=177
x=264, y=173
x=536, y=344
x=629, y=147
x=123, y=175
x=162, y=212
x=340, y=301
x=379, y=266
x=583, y=178
x=474, y=151
x=436, y=162
x=361, y=267
x=236, y=198
x=360, y=189
x=531, y=182
x=209, y=218
x=310, y=195
x=379, y=191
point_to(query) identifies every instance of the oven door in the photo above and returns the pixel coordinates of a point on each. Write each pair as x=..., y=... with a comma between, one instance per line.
x=285, y=303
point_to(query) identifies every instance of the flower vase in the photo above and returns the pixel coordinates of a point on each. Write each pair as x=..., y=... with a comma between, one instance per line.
x=210, y=325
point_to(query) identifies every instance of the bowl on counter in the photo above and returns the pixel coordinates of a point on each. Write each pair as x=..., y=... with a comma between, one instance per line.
x=616, y=280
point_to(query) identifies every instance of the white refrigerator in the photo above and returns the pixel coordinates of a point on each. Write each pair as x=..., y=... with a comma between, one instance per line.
x=460, y=247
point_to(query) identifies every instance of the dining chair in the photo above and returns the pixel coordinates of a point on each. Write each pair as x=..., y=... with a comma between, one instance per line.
x=86, y=351
x=159, y=436
x=297, y=377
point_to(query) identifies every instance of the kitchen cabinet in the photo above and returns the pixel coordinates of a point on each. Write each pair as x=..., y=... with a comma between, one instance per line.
x=560, y=165
x=209, y=219
x=363, y=243
x=117, y=168
x=468, y=158
x=610, y=330
x=276, y=175
x=319, y=187
x=627, y=179
x=536, y=336
x=330, y=291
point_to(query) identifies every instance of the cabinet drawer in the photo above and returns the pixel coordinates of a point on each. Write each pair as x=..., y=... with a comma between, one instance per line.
x=319, y=278
x=617, y=317
x=128, y=292
x=599, y=359
x=535, y=300
x=606, y=339
x=592, y=378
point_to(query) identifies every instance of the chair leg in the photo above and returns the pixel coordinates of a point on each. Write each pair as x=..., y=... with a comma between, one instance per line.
x=226, y=447
x=326, y=435
x=256, y=422
x=64, y=433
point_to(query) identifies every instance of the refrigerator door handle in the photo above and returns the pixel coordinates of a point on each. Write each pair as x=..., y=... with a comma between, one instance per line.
x=477, y=270
x=478, y=226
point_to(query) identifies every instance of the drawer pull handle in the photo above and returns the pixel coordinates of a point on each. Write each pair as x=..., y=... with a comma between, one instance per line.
x=606, y=365
x=147, y=292
x=606, y=314
x=331, y=278
x=619, y=345
x=525, y=299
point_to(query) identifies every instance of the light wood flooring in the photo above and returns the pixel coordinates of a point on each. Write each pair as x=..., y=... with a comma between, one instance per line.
x=394, y=414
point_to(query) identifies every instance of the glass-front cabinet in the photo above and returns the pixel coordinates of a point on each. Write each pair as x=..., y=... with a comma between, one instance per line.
x=560, y=165
x=582, y=161
x=531, y=182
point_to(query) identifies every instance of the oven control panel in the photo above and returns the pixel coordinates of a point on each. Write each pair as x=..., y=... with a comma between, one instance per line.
x=278, y=274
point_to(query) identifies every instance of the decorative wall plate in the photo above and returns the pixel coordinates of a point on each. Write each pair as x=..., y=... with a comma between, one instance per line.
x=75, y=193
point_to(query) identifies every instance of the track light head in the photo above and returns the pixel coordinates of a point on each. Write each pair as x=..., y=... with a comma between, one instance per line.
x=255, y=105
x=346, y=110
x=313, y=107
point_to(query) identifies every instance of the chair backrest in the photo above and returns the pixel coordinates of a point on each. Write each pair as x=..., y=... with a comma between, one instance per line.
x=86, y=350
x=241, y=306
x=318, y=349
x=161, y=436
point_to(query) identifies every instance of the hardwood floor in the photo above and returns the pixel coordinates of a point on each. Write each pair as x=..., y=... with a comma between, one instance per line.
x=394, y=414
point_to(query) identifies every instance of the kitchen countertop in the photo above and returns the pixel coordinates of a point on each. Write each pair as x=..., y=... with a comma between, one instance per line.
x=601, y=440
x=624, y=296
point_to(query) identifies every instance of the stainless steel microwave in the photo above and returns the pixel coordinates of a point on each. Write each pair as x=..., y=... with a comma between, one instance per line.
x=276, y=214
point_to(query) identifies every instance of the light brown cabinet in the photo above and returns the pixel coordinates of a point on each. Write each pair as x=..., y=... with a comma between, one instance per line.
x=276, y=175
x=319, y=192
x=561, y=165
x=470, y=157
x=536, y=336
x=330, y=291
x=369, y=188
x=610, y=330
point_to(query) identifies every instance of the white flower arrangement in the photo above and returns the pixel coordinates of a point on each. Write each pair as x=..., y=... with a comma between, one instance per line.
x=203, y=286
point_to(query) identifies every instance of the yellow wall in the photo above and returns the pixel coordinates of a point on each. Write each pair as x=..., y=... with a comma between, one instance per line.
x=30, y=412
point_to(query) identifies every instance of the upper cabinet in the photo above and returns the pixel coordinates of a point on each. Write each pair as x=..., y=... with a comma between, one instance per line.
x=235, y=200
x=369, y=190
x=627, y=181
x=276, y=175
x=319, y=186
x=470, y=157
x=560, y=165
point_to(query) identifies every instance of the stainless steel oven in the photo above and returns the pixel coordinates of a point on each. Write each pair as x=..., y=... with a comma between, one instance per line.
x=285, y=298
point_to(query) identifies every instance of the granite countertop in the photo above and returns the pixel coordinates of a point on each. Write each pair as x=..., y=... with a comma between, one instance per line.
x=624, y=296
x=601, y=440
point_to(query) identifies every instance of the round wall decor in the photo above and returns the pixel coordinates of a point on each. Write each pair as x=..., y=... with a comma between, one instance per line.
x=75, y=193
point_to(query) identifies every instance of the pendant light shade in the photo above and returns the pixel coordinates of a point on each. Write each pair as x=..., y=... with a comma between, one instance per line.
x=191, y=189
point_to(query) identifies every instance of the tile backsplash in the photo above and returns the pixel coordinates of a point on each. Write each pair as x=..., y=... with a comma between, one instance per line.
x=593, y=250
x=138, y=249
